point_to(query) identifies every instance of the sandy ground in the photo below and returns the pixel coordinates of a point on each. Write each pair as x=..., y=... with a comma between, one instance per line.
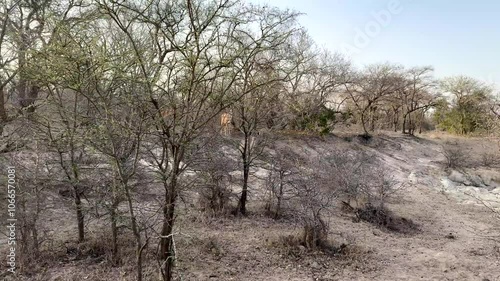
x=451, y=244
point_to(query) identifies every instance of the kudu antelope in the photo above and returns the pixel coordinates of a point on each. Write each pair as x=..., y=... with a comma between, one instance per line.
x=225, y=123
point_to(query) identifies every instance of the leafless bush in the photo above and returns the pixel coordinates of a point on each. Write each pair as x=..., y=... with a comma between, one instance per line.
x=382, y=187
x=492, y=206
x=350, y=170
x=213, y=246
x=351, y=178
x=456, y=158
x=283, y=167
x=214, y=195
x=365, y=187
x=214, y=179
x=490, y=159
x=315, y=195
x=361, y=179
x=289, y=245
x=346, y=252
x=382, y=217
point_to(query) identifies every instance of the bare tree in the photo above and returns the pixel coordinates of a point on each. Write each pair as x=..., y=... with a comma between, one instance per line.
x=62, y=72
x=7, y=58
x=416, y=95
x=118, y=136
x=251, y=115
x=65, y=138
x=314, y=79
x=186, y=54
x=369, y=89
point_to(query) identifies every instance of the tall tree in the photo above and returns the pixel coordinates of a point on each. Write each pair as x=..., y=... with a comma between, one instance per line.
x=468, y=107
x=185, y=52
x=416, y=95
x=251, y=113
x=370, y=88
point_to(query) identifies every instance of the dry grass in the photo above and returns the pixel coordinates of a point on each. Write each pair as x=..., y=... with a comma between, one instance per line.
x=261, y=248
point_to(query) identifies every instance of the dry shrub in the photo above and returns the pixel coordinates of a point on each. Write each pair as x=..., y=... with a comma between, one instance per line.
x=292, y=246
x=289, y=246
x=361, y=180
x=214, y=199
x=384, y=218
x=490, y=159
x=456, y=157
x=94, y=252
x=283, y=167
x=315, y=234
x=98, y=249
x=314, y=196
x=213, y=179
x=213, y=246
x=200, y=246
x=94, y=249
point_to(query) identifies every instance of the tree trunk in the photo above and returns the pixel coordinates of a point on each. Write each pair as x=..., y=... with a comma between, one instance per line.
x=79, y=215
x=407, y=121
x=363, y=122
x=244, y=191
x=3, y=111
x=136, y=232
x=404, y=124
x=246, y=173
x=280, y=196
x=372, y=119
x=411, y=125
x=114, y=229
x=27, y=92
x=114, y=233
x=22, y=83
x=422, y=120
x=395, y=118
x=167, y=253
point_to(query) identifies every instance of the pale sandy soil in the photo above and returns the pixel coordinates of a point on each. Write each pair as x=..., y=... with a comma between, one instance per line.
x=245, y=248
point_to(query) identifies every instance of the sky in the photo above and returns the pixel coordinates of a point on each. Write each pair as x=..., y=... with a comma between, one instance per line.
x=456, y=37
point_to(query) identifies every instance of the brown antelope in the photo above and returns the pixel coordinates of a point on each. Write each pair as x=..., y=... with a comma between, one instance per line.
x=225, y=122
x=166, y=113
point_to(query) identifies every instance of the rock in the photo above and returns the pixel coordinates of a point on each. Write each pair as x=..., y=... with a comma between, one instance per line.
x=450, y=236
x=66, y=193
x=447, y=183
x=458, y=177
x=302, y=249
x=486, y=178
x=475, y=180
x=315, y=265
